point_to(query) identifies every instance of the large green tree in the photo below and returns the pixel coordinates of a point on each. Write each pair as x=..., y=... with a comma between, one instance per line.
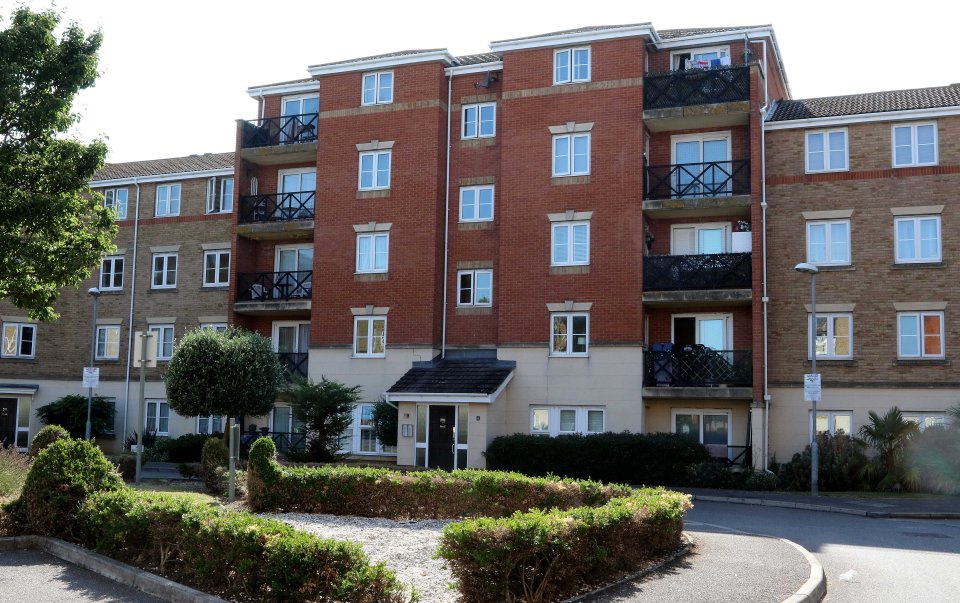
x=53, y=230
x=326, y=410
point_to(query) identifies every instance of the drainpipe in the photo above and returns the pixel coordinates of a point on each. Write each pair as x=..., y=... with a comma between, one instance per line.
x=263, y=104
x=133, y=290
x=446, y=225
x=765, y=298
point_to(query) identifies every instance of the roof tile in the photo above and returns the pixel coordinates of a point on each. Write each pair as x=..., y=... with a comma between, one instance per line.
x=174, y=165
x=454, y=377
x=871, y=102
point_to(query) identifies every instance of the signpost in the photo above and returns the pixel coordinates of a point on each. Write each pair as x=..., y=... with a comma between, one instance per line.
x=145, y=355
x=811, y=389
x=91, y=377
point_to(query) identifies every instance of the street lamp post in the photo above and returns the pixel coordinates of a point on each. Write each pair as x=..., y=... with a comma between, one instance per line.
x=95, y=293
x=812, y=270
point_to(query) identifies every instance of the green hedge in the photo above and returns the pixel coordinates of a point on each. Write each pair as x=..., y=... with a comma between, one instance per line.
x=371, y=492
x=551, y=555
x=235, y=555
x=657, y=459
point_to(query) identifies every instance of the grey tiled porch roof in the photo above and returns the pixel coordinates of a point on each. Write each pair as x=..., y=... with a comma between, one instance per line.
x=481, y=376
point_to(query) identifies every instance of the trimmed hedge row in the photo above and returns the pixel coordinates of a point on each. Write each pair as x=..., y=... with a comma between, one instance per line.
x=373, y=492
x=658, y=459
x=551, y=555
x=233, y=554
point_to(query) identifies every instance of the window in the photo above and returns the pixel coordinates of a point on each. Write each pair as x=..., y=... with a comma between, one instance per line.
x=374, y=170
x=925, y=419
x=220, y=195
x=699, y=239
x=479, y=121
x=168, y=200
x=19, y=340
x=216, y=268
x=827, y=151
x=116, y=199
x=828, y=242
x=373, y=252
x=370, y=336
x=570, y=244
x=158, y=418
x=475, y=287
x=571, y=155
x=164, y=270
x=701, y=58
x=111, y=273
x=164, y=335
x=571, y=65
x=570, y=333
x=561, y=420
x=210, y=425
x=920, y=334
x=918, y=239
x=835, y=422
x=476, y=203
x=219, y=327
x=834, y=336
x=108, y=342
x=914, y=144
x=377, y=88
x=710, y=427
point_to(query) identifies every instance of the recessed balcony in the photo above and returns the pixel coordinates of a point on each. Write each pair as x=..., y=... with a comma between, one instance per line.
x=707, y=189
x=696, y=371
x=274, y=292
x=285, y=139
x=697, y=98
x=712, y=278
x=277, y=215
x=295, y=363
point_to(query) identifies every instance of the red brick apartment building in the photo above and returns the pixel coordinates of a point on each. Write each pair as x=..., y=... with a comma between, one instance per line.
x=563, y=235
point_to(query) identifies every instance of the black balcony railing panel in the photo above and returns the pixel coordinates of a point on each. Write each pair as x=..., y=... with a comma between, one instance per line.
x=277, y=207
x=288, y=129
x=295, y=363
x=284, y=441
x=274, y=286
x=688, y=87
x=698, y=366
x=697, y=180
x=706, y=271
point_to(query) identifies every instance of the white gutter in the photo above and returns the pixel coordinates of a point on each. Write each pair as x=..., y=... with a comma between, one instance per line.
x=161, y=177
x=383, y=62
x=446, y=224
x=475, y=68
x=840, y=120
x=133, y=291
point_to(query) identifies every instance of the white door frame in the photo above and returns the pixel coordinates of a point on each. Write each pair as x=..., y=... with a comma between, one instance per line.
x=697, y=227
x=727, y=325
x=274, y=335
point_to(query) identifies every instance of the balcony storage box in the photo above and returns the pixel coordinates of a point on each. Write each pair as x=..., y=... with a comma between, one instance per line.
x=742, y=242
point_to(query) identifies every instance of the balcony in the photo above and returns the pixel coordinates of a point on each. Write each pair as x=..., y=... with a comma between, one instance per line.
x=285, y=139
x=295, y=363
x=277, y=215
x=274, y=292
x=697, y=189
x=697, y=98
x=697, y=279
x=697, y=371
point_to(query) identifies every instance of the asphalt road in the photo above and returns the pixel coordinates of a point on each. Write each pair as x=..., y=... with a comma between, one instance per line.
x=892, y=559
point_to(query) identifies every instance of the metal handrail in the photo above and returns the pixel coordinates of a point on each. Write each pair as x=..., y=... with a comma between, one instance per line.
x=697, y=180
x=686, y=87
x=277, y=207
x=286, y=129
x=274, y=286
x=295, y=363
x=703, y=271
x=698, y=366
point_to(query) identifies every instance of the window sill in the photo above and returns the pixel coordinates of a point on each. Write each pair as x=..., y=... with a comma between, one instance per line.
x=379, y=357
x=19, y=358
x=370, y=277
x=580, y=269
x=167, y=216
x=922, y=362
x=162, y=290
x=476, y=143
x=111, y=291
x=373, y=194
x=817, y=172
x=908, y=265
x=569, y=355
x=474, y=310
x=835, y=267
x=561, y=180
x=220, y=288
x=108, y=360
x=833, y=361
x=478, y=225
x=916, y=165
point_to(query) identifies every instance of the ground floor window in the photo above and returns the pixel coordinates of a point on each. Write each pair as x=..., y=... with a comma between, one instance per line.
x=710, y=427
x=211, y=424
x=834, y=422
x=560, y=420
x=925, y=419
x=158, y=417
x=359, y=438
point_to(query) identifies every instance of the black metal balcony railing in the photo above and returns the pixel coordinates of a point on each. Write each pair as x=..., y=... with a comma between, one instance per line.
x=274, y=286
x=698, y=366
x=698, y=180
x=284, y=441
x=288, y=129
x=706, y=271
x=277, y=207
x=696, y=87
x=295, y=363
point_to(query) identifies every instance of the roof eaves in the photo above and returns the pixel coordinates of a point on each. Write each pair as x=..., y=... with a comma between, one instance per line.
x=575, y=36
x=406, y=57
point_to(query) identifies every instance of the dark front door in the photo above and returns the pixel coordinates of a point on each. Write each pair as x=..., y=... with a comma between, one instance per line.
x=8, y=421
x=442, y=429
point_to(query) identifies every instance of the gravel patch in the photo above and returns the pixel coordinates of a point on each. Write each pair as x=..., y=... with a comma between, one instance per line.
x=407, y=547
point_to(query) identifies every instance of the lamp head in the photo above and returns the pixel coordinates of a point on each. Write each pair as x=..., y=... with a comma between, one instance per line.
x=94, y=292
x=806, y=268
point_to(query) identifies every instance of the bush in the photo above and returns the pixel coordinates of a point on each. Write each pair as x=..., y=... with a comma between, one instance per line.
x=326, y=409
x=652, y=459
x=552, y=555
x=189, y=470
x=46, y=436
x=234, y=554
x=842, y=464
x=386, y=419
x=126, y=465
x=13, y=471
x=713, y=474
x=61, y=478
x=187, y=448
x=934, y=456
x=70, y=412
x=149, y=439
x=213, y=463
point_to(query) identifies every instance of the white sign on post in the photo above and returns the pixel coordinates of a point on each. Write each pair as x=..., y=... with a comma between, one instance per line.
x=811, y=387
x=91, y=376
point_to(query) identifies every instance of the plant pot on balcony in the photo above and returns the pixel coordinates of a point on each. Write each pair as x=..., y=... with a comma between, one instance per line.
x=742, y=242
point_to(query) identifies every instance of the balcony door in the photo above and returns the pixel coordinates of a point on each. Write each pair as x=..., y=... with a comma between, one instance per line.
x=298, y=119
x=291, y=342
x=710, y=427
x=294, y=264
x=701, y=165
x=699, y=239
x=714, y=331
x=296, y=194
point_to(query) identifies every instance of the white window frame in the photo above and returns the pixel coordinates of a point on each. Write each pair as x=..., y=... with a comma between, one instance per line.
x=920, y=418
x=720, y=50
x=377, y=76
x=571, y=170
x=554, y=227
x=111, y=199
x=214, y=326
x=168, y=202
x=831, y=353
x=377, y=158
x=571, y=76
x=166, y=256
x=156, y=403
x=478, y=122
x=914, y=149
x=371, y=268
x=921, y=335
x=831, y=421
x=477, y=191
x=370, y=320
x=697, y=227
x=219, y=201
x=726, y=317
x=19, y=339
x=553, y=420
x=356, y=430
x=569, y=316
x=159, y=330
x=473, y=288
x=112, y=274
x=701, y=412
x=219, y=254
x=107, y=330
x=916, y=240
x=209, y=419
x=827, y=164
x=829, y=261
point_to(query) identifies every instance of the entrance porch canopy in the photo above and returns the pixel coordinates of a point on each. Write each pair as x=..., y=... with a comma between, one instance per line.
x=453, y=381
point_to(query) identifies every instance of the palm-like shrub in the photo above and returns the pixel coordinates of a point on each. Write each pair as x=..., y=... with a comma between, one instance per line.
x=888, y=435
